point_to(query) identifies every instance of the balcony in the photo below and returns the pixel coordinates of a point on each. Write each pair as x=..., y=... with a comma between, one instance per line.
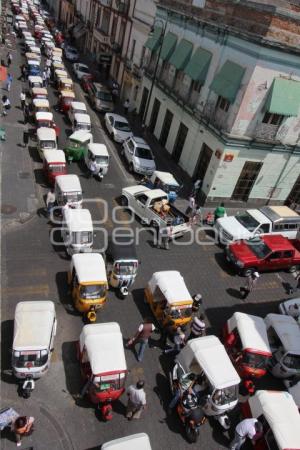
x=266, y=132
x=101, y=37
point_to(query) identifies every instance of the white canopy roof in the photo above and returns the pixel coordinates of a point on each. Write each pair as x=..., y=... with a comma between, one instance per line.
x=78, y=106
x=33, y=325
x=295, y=393
x=39, y=91
x=104, y=346
x=35, y=79
x=81, y=136
x=138, y=441
x=34, y=61
x=166, y=177
x=41, y=102
x=172, y=285
x=156, y=193
x=287, y=330
x=67, y=93
x=77, y=220
x=252, y=331
x=209, y=354
x=82, y=118
x=46, y=134
x=54, y=156
x=98, y=149
x=42, y=115
x=68, y=183
x=281, y=414
x=89, y=267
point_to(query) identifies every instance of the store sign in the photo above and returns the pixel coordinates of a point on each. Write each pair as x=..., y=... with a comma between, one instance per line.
x=105, y=58
x=228, y=157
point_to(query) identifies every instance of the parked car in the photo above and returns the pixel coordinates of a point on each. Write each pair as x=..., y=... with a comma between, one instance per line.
x=81, y=70
x=100, y=97
x=71, y=53
x=138, y=155
x=118, y=127
x=265, y=253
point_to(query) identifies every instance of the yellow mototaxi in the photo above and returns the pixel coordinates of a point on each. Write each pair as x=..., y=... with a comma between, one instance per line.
x=169, y=299
x=88, y=283
x=65, y=84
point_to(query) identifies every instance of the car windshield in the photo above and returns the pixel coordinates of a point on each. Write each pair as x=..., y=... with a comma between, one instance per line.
x=83, y=126
x=92, y=291
x=72, y=197
x=170, y=187
x=224, y=396
x=48, y=144
x=46, y=124
x=121, y=126
x=57, y=168
x=105, y=96
x=247, y=221
x=258, y=247
x=83, y=69
x=144, y=153
x=101, y=159
x=292, y=361
x=125, y=268
x=255, y=360
x=30, y=358
x=82, y=237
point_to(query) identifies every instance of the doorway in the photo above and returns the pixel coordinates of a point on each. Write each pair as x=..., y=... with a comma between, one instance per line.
x=294, y=195
x=203, y=163
x=154, y=115
x=246, y=181
x=180, y=141
x=166, y=128
x=143, y=102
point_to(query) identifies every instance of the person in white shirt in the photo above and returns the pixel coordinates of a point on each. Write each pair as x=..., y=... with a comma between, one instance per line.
x=22, y=99
x=136, y=400
x=50, y=201
x=93, y=168
x=247, y=428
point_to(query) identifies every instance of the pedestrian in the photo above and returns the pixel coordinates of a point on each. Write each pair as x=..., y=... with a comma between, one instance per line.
x=141, y=337
x=26, y=113
x=44, y=78
x=22, y=73
x=191, y=209
x=22, y=99
x=247, y=428
x=197, y=302
x=294, y=311
x=197, y=187
x=220, y=211
x=184, y=382
x=25, y=137
x=126, y=106
x=23, y=426
x=5, y=105
x=198, y=327
x=92, y=167
x=162, y=240
x=48, y=74
x=48, y=63
x=136, y=400
x=251, y=282
x=179, y=342
x=8, y=82
x=9, y=59
x=50, y=201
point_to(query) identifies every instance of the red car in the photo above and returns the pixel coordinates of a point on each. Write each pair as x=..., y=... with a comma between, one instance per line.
x=265, y=253
x=86, y=82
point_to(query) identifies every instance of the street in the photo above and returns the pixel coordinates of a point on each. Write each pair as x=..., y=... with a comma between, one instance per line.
x=34, y=269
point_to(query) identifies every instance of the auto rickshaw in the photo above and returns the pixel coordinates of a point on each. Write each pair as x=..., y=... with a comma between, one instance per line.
x=217, y=380
x=246, y=341
x=291, y=307
x=35, y=49
x=99, y=155
x=49, y=45
x=46, y=140
x=103, y=365
x=279, y=415
x=169, y=299
x=45, y=120
x=35, y=82
x=38, y=31
x=81, y=122
x=59, y=39
x=88, y=283
x=54, y=164
x=77, y=230
x=34, y=331
x=65, y=84
x=284, y=339
x=164, y=181
x=122, y=264
x=58, y=73
x=77, y=145
x=33, y=68
x=40, y=105
x=33, y=57
x=39, y=93
x=56, y=51
x=68, y=191
x=65, y=100
x=139, y=441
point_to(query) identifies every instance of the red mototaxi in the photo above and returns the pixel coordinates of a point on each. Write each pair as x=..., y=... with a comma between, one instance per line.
x=65, y=100
x=45, y=119
x=86, y=82
x=102, y=362
x=59, y=39
x=54, y=164
x=246, y=341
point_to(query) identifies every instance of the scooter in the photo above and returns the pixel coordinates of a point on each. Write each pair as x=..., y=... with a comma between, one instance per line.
x=27, y=387
x=192, y=422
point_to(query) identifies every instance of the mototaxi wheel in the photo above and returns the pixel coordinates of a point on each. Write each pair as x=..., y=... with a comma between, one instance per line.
x=192, y=434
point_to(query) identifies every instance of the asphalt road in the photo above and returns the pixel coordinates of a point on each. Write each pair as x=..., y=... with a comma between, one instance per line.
x=34, y=269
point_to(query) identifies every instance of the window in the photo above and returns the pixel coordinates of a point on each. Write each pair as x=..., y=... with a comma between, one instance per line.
x=132, y=49
x=105, y=22
x=275, y=255
x=121, y=33
x=246, y=180
x=196, y=86
x=264, y=228
x=114, y=29
x=222, y=103
x=288, y=254
x=142, y=199
x=272, y=119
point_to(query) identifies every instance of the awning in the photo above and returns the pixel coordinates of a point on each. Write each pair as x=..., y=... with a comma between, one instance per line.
x=169, y=44
x=284, y=97
x=182, y=54
x=198, y=65
x=153, y=40
x=228, y=80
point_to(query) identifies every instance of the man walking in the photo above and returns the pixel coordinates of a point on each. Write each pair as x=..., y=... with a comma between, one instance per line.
x=136, y=400
x=126, y=106
x=198, y=328
x=250, y=285
x=50, y=201
x=141, y=337
x=22, y=99
x=247, y=428
x=9, y=59
x=26, y=113
x=8, y=82
x=44, y=78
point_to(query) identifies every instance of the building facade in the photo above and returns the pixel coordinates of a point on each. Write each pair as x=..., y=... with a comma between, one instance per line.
x=221, y=92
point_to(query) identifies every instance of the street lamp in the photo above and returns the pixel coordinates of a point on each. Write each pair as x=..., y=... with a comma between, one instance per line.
x=161, y=40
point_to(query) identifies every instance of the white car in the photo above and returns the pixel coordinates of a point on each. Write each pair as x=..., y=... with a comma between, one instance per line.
x=139, y=156
x=81, y=70
x=71, y=53
x=118, y=127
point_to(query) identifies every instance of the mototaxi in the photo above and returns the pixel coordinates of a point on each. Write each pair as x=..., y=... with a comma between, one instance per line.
x=169, y=299
x=288, y=307
x=33, y=57
x=33, y=67
x=65, y=84
x=68, y=191
x=217, y=380
x=35, y=82
x=40, y=105
x=77, y=145
x=103, y=369
x=165, y=181
x=246, y=341
x=139, y=441
x=99, y=155
x=81, y=122
x=77, y=230
x=45, y=120
x=34, y=331
x=38, y=92
x=54, y=164
x=122, y=264
x=65, y=100
x=46, y=140
x=88, y=283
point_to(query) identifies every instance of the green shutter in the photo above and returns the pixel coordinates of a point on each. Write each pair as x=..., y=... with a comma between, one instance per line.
x=182, y=54
x=153, y=40
x=284, y=97
x=227, y=81
x=168, y=46
x=198, y=65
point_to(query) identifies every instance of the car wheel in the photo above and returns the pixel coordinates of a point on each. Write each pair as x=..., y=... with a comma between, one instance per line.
x=249, y=271
x=292, y=269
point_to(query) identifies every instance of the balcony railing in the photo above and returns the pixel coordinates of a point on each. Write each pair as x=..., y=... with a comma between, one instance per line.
x=266, y=131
